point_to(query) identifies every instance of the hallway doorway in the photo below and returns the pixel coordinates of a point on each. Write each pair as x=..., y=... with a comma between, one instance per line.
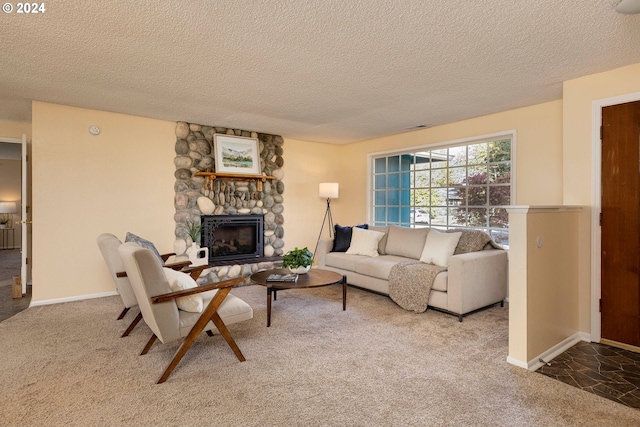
x=14, y=238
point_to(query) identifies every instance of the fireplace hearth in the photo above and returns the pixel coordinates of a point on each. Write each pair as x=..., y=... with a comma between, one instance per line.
x=232, y=237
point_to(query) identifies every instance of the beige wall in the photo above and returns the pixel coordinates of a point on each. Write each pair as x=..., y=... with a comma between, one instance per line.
x=122, y=180
x=552, y=278
x=578, y=183
x=14, y=129
x=518, y=252
x=306, y=164
x=543, y=280
x=538, y=154
x=83, y=185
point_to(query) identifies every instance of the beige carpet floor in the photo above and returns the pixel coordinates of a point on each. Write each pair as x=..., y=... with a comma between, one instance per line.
x=373, y=365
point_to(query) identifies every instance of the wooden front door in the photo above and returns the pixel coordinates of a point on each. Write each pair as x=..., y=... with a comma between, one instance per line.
x=620, y=224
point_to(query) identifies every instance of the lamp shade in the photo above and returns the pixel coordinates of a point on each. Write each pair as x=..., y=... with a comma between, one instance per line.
x=8, y=207
x=328, y=190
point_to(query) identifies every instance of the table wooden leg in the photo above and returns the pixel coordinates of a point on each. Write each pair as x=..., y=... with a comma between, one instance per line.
x=344, y=293
x=268, y=307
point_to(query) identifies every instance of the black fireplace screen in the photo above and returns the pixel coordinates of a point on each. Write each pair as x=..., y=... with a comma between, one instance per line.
x=233, y=237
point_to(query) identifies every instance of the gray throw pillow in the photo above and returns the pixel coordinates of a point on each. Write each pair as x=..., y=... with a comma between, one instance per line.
x=144, y=243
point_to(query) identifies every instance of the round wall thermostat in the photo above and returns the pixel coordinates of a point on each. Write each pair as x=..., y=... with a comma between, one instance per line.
x=94, y=130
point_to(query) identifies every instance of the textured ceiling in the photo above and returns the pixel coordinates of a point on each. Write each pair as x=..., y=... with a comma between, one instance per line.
x=335, y=70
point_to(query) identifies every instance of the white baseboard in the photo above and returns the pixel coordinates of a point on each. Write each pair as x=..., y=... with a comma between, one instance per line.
x=516, y=362
x=551, y=353
x=69, y=299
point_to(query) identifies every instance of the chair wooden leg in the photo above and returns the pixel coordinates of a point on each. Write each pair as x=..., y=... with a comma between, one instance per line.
x=149, y=344
x=195, y=331
x=227, y=336
x=132, y=325
x=126, y=309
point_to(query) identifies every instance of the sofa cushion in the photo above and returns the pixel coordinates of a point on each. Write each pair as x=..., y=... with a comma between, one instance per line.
x=378, y=267
x=232, y=310
x=439, y=299
x=440, y=282
x=383, y=242
x=342, y=238
x=364, y=242
x=406, y=242
x=343, y=261
x=439, y=246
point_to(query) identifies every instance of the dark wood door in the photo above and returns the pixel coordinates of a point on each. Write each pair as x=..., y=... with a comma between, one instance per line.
x=620, y=257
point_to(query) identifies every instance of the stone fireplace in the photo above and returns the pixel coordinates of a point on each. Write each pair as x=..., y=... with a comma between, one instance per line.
x=233, y=237
x=196, y=198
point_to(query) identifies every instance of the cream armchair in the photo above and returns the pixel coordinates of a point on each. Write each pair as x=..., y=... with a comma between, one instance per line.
x=109, y=244
x=161, y=313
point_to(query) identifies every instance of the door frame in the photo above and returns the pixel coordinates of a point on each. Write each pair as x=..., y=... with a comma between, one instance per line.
x=25, y=195
x=596, y=204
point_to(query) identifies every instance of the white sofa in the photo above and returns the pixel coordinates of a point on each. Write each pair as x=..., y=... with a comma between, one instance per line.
x=474, y=280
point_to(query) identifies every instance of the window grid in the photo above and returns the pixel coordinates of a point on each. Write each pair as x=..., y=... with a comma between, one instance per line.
x=463, y=186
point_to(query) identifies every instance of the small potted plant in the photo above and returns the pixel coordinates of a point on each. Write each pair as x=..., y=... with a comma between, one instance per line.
x=5, y=222
x=298, y=260
x=193, y=230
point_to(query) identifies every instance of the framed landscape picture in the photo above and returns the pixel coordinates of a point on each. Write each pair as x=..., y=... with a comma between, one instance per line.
x=236, y=154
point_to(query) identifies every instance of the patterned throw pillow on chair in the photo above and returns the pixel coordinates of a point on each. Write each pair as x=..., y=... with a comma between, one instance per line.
x=144, y=243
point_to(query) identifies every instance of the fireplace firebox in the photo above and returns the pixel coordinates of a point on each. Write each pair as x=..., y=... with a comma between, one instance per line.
x=232, y=237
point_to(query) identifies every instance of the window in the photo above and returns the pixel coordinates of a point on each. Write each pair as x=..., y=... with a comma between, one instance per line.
x=456, y=186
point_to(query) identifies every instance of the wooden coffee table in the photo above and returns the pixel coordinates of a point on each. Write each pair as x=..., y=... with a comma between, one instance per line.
x=313, y=279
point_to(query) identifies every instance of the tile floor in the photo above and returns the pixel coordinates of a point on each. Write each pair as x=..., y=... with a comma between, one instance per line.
x=607, y=371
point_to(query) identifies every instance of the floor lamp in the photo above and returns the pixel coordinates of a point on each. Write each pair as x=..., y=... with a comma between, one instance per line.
x=327, y=190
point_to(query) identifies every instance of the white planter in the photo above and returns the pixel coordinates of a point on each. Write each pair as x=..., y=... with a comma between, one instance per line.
x=198, y=256
x=300, y=270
